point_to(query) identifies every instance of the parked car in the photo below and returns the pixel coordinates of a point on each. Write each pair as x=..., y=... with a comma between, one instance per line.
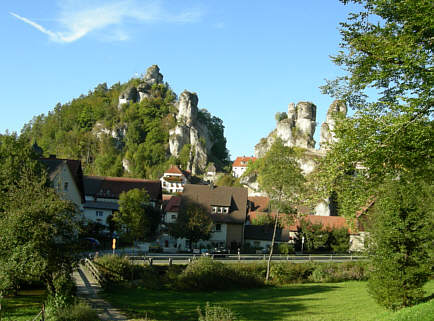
x=219, y=252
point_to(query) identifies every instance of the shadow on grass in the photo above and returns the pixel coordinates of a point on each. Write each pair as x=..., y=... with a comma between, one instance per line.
x=269, y=303
x=23, y=306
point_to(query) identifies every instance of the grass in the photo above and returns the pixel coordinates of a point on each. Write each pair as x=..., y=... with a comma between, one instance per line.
x=23, y=307
x=300, y=302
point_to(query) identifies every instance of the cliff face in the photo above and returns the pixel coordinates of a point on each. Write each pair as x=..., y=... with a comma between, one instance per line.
x=189, y=131
x=296, y=129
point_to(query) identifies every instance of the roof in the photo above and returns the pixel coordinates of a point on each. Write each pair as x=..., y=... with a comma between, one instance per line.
x=258, y=203
x=173, y=204
x=102, y=205
x=208, y=195
x=328, y=222
x=54, y=164
x=242, y=161
x=174, y=170
x=112, y=187
x=265, y=233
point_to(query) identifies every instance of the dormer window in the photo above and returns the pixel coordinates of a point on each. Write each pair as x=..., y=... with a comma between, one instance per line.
x=214, y=209
x=226, y=210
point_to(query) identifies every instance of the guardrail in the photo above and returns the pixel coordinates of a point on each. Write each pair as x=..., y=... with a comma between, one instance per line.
x=94, y=271
x=186, y=258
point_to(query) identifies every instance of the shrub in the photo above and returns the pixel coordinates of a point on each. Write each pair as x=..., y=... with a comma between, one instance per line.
x=282, y=273
x=207, y=274
x=117, y=270
x=285, y=248
x=215, y=313
x=340, y=240
x=77, y=312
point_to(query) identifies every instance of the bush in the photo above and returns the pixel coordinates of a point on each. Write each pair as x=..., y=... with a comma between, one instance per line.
x=283, y=273
x=285, y=248
x=215, y=313
x=207, y=274
x=77, y=312
x=117, y=270
x=339, y=272
x=420, y=312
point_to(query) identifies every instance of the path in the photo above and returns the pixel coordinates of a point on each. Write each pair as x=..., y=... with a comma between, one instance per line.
x=89, y=289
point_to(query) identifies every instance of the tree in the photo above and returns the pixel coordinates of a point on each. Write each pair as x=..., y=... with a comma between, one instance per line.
x=280, y=176
x=386, y=53
x=228, y=180
x=136, y=214
x=38, y=229
x=193, y=223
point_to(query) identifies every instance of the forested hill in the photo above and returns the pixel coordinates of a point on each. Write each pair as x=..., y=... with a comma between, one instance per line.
x=133, y=129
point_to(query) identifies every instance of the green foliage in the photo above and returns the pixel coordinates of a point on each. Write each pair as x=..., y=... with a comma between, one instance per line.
x=402, y=234
x=38, y=239
x=339, y=272
x=228, y=180
x=193, y=222
x=387, y=53
x=215, y=313
x=136, y=215
x=207, y=274
x=263, y=219
x=340, y=240
x=285, y=248
x=281, y=116
x=117, y=270
x=316, y=237
x=78, y=311
x=420, y=312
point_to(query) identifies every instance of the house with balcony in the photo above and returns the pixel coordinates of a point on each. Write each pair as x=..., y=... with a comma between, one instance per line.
x=173, y=180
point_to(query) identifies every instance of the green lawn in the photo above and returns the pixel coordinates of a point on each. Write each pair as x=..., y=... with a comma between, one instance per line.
x=331, y=301
x=23, y=307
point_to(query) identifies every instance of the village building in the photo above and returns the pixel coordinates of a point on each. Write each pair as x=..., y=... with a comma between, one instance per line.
x=173, y=180
x=102, y=195
x=239, y=166
x=66, y=177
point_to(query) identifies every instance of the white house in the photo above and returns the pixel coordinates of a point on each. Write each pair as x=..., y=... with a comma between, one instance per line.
x=239, y=166
x=173, y=180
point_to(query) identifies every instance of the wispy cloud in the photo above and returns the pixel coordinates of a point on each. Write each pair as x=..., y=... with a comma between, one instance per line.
x=76, y=20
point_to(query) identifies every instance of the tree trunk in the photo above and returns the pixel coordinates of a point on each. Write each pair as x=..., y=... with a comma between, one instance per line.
x=272, y=247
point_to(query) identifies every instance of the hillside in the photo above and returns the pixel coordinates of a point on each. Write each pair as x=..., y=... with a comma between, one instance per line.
x=133, y=129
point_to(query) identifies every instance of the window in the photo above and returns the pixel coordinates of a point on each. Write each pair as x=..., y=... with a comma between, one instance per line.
x=65, y=186
x=218, y=227
x=214, y=209
x=166, y=243
x=173, y=216
x=226, y=210
x=99, y=213
x=220, y=209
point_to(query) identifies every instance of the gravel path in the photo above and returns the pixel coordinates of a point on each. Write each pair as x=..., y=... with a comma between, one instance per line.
x=88, y=289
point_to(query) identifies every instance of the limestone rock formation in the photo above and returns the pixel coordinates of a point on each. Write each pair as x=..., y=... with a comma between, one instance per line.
x=190, y=131
x=338, y=108
x=142, y=91
x=296, y=130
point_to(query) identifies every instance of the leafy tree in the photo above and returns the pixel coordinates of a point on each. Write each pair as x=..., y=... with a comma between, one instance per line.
x=38, y=229
x=401, y=243
x=386, y=53
x=193, y=223
x=136, y=214
x=228, y=180
x=316, y=237
x=340, y=240
x=280, y=176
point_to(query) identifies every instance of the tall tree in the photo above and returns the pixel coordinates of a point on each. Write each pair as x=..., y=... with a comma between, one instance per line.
x=280, y=176
x=388, y=59
x=136, y=214
x=193, y=223
x=38, y=229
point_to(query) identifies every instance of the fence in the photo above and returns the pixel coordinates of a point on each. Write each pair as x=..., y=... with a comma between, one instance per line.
x=253, y=258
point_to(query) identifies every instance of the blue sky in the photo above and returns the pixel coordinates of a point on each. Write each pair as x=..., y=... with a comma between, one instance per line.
x=246, y=59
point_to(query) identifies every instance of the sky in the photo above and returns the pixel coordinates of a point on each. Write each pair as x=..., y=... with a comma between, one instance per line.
x=245, y=59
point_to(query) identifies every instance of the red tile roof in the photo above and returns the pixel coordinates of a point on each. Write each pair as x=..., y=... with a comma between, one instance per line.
x=258, y=203
x=242, y=161
x=173, y=170
x=174, y=204
x=328, y=222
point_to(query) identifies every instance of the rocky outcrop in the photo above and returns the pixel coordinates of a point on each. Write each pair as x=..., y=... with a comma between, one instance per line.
x=189, y=131
x=143, y=89
x=118, y=133
x=337, y=109
x=296, y=129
